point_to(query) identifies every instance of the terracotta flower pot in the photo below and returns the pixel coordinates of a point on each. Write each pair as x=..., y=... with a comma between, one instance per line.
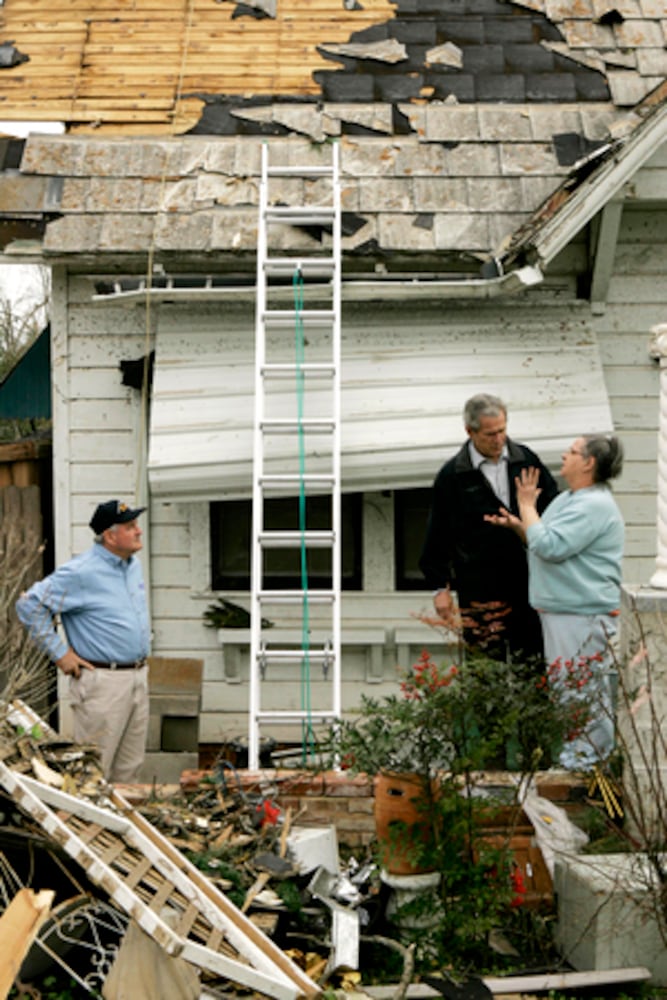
x=403, y=822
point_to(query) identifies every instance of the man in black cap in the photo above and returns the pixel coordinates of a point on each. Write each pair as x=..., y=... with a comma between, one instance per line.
x=100, y=599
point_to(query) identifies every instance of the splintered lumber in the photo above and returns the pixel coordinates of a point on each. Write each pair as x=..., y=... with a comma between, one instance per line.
x=537, y=983
x=164, y=897
x=19, y=925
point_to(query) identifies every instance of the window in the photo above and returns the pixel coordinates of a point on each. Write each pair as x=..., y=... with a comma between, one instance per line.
x=231, y=527
x=411, y=510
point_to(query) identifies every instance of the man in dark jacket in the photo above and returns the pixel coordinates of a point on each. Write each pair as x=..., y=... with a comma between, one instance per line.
x=484, y=564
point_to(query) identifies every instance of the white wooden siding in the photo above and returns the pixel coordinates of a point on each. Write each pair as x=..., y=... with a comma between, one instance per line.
x=94, y=439
x=96, y=457
x=637, y=300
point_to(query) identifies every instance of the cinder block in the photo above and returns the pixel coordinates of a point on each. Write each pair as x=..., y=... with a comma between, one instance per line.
x=154, y=735
x=607, y=913
x=175, y=702
x=179, y=733
x=184, y=704
x=166, y=768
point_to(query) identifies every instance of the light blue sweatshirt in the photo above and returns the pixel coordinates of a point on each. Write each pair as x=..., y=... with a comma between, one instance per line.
x=575, y=553
x=101, y=601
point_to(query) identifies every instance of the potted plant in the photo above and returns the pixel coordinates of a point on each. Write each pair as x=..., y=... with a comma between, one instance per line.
x=444, y=729
x=429, y=748
x=424, y=747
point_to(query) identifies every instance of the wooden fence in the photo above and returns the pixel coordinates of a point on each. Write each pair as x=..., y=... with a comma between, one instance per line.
x=22, y=670
x=21, y=537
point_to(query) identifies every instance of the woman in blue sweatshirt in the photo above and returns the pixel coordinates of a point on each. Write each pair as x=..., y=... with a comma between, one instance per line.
x=575, y=553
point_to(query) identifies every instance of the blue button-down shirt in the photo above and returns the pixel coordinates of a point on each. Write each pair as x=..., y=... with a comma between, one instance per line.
x=101, y=602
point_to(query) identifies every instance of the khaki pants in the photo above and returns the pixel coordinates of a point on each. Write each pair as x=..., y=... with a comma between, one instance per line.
x=111, y=710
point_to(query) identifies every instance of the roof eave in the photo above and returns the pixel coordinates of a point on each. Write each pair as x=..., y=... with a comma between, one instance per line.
x=600, y=187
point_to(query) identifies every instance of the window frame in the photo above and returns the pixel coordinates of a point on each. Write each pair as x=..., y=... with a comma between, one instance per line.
x=239, y=579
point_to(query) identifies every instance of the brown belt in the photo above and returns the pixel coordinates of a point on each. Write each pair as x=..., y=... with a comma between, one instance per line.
x=135, y=665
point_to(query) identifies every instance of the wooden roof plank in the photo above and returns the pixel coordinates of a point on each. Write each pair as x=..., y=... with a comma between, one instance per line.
x=53, y=112
x=116, y=129
x=90, y=10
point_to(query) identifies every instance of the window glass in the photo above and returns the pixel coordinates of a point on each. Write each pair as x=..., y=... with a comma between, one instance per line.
x=231, y=527
x=411, y=509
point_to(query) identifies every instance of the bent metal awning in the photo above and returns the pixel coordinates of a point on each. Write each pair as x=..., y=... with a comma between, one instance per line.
x=403, y=390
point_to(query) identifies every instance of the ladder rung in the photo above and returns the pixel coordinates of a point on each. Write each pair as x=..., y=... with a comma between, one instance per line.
x=289, y=539
x=187, y=920
x=308, y=267
x=310, y=317
x=296, y=596
x=285, y=368
x=295, y=715
x=112, y=852
x=215, y=939
x=313, y=425
x=90, y=832
x=281, y=480
x=311, y=171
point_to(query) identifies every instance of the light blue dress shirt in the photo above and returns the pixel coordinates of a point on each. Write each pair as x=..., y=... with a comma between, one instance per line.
x=101, y=601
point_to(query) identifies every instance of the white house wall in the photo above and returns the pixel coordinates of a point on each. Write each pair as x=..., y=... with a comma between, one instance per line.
x=637, y=300
x=98, y=458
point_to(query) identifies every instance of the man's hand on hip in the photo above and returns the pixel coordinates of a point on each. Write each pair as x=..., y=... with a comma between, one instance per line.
x=71, y=663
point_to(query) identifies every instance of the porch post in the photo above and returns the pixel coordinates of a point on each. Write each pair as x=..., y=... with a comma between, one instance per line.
x=658, y=350
x=642, y=680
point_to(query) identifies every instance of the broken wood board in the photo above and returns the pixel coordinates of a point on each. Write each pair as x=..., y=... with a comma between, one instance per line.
x=19, y=925
x=538, y=983
x=142, y=872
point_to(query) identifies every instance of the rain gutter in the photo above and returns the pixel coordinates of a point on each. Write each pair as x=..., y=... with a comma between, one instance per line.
x=352, y=290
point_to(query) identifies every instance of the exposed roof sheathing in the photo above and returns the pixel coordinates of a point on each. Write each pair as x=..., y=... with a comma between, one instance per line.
x=141, y=65
x=463, y=123
x=136, y=64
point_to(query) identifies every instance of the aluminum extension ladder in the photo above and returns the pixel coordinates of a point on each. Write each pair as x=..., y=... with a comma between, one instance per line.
x=296, y=447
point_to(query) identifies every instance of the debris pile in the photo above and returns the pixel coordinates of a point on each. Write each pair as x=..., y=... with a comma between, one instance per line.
x=216, y=892
x=221, y=878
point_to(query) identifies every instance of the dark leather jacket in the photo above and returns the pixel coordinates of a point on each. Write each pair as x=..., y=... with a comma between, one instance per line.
x=481, y=561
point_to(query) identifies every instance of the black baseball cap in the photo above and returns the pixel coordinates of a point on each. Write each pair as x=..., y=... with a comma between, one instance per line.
x=113, y=512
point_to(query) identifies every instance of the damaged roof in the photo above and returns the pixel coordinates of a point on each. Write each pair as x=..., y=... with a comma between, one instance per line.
x=471, y=114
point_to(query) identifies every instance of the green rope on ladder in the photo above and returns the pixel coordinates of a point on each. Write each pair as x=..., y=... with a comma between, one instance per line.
x=307, y=734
